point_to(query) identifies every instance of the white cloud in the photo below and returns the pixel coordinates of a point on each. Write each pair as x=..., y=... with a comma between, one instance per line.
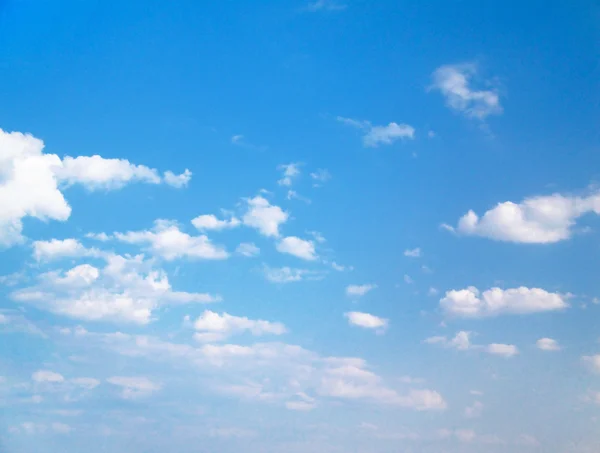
x=325, y=5
x=96, y=172
x=134, y=387
x=127, y=289
x=57, y=249
x=298, y=247
x=367, y=320
x=408, y=279
x=340, y=267
x=47, y=376
x=469, y=303
x=303, y=406
x=504, y=350
x=248, y=249
x=177, y=181
x=535, y=220
x=432, y=291
x=102, y=237
x=287, y=274
x=263, y=216
x=30, y=180
x=461, y=341
x=380, y=135
x=212, y=326
x=474, y=410
x=548, y=344
x=528, y=440
x=359, y=290
x=86, y=382
x=211, y=222
x=454, y=82
x=593, y=362
x=169, y=242
x=290, y=172
x=414, y=253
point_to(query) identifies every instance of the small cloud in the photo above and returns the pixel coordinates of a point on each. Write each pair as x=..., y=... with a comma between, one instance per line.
x=325, y=5
x=380, y=135
x=359, y=290
x=455, y=84
x=548, y=344
x=320, y=177
x=248, y=249
x=290, y=172
x=177, y=181
x=408, y=280
x=432, y=291
x=413, y=253
x=367, y=321
x=475, y=410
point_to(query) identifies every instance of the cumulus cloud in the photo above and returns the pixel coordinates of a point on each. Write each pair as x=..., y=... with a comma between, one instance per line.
x=61, y=248
x=548, y=344
x=31, y=181
x=248, y=249
x=298, y=247
x=380, y=135
x=211, y=326
x=177, y=181
x=126, y=289
x=504, y=350
x=211, y=222
x=455, y=84
x=366, y=320
x=359, y=290
x=470, y=303
x=264, y=217
x=535, y=220
x=169, y=242
x=134, y=386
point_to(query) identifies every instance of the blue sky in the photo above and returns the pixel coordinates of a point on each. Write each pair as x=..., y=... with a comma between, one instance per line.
x=299, y=226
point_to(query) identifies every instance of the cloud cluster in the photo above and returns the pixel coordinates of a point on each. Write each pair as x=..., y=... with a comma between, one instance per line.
x=31, y=181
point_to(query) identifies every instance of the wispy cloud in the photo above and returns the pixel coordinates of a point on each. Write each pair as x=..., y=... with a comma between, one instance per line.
x=380, y=135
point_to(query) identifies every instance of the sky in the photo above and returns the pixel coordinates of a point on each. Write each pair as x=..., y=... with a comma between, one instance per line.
x=323, y=225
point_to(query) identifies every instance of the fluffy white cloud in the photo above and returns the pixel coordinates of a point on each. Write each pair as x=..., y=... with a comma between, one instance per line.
x=593, y=362
x=290, y=172
x=263, y=216
x=30, y=181
x=177, y=181
x=469, y=303
x=96, y=172
x=134, y=386
x=454, y=82
x=57, y=248
x=298, y=247
x=288, y=274
x=414, y=253
x=359, y=290
x=248, y=249
x=504, y=350
x=211, y=222
x=212, y=326
x=47, y=376
x=380, y=135
x=127, y=289
x=535, y=220
x=548, y=344
x=366, y=320
x=169, y=242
